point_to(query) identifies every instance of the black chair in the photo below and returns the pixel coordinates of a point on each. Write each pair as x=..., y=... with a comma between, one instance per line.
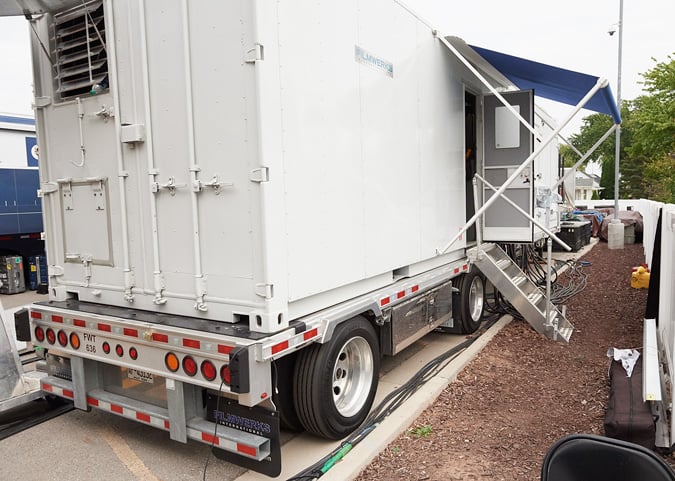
x=586, y=457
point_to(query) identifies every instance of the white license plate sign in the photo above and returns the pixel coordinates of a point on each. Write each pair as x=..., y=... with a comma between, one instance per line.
x=142, y=376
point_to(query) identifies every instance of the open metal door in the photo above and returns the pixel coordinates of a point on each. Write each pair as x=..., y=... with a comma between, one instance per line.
x=508, y=143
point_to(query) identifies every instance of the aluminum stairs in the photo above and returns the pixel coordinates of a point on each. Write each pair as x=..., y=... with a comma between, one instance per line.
x=521, y=292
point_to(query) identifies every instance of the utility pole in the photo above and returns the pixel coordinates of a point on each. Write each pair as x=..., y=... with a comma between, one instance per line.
x=615, y=229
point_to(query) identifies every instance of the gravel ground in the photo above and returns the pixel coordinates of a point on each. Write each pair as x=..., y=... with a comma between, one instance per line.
x=523, y=391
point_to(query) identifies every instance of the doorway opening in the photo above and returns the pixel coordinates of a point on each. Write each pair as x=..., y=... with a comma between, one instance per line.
x=470, y=158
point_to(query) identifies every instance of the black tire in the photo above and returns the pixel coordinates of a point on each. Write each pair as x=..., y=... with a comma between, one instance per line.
x=471, y=300
x=282, y=396
x=335, y=383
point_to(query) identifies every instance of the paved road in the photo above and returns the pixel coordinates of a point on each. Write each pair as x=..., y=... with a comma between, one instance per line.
x=81, y=446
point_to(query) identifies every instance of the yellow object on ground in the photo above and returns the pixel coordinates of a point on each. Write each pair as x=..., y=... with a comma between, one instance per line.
x=640, y=278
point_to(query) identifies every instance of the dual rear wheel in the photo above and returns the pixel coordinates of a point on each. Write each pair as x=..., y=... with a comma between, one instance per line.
x=334, y=384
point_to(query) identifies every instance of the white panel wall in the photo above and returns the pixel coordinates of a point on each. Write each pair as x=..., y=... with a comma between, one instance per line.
x=373, y=163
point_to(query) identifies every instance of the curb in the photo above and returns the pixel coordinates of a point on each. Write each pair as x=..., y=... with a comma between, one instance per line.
x=364, y=452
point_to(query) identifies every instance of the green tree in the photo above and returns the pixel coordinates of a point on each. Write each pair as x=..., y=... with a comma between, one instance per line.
x=653, y=114
x=647, y=140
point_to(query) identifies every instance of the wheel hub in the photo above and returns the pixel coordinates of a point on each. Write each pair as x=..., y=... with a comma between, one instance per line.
x=352, y=376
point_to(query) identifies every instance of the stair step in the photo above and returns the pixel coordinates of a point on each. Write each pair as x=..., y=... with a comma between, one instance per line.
x=535, y=296
x=566, y=332
x=503, y=263
x=524, y=294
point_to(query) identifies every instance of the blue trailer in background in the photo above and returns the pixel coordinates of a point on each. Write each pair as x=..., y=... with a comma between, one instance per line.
x=20, y=206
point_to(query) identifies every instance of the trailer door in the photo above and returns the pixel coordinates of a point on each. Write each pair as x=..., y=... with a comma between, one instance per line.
x=507, y=144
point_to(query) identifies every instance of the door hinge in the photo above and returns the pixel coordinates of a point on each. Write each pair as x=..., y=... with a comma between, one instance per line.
x=41, y=102
x=54, y=270
x=254, y=54
x=47, y=188
x=260, y=175
x=265, y=290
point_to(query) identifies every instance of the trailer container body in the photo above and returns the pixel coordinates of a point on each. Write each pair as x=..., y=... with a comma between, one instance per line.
x=19, y=205
x=239, y=195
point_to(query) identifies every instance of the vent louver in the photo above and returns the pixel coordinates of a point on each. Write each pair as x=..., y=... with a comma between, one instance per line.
x=81, y=60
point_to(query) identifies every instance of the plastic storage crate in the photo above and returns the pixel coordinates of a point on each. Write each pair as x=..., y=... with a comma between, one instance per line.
x=37, y=271
x=574, y=234
x=11, y=275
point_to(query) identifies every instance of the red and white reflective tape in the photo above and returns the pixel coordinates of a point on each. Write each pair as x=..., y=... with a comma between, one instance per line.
x=385, y=301
x=312, y=333
x=457, y=270
x=408, y=291
x=169, y=340
x=50, y=388
x=126, y=412
x=227, y=444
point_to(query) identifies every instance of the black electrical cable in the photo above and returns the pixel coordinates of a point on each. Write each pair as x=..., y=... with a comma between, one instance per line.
x=393, y=401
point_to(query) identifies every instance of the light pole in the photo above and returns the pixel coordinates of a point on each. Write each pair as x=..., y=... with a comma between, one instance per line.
x=615, y=228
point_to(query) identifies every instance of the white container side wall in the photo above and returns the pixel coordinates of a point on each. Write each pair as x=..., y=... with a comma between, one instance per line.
x=373, y=162
x=365, y=169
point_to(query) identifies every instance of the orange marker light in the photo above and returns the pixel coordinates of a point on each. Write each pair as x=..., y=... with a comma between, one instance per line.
x=171, y=361
x=74, y=340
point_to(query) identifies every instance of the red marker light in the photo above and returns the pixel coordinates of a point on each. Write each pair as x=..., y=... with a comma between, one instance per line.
x=133, y=353
x=106, y=347
x=39, y=334
x=208, y=370
x=189, y=366
x=63, y=338
x=119, y=350
x=225, y=374
x=51, y=337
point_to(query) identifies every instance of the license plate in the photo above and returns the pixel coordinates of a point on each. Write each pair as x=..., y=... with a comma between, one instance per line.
x=142, y=376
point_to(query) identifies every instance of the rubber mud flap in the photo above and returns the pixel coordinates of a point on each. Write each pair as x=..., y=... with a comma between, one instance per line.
x=22, y=325
x=255, y=420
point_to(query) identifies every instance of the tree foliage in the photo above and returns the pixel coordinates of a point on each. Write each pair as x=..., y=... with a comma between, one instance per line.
x=647, y=155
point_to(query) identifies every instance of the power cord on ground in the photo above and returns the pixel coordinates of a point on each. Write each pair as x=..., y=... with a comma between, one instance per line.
x=388, y=405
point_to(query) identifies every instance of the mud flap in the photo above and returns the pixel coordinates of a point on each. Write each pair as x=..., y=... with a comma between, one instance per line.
x=256, y=420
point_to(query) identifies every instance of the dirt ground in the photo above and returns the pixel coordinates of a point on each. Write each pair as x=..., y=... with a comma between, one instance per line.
x=523, y=391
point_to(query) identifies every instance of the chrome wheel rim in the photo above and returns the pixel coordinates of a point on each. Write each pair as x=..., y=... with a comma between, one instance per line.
x=352, y=376
x=476, y=298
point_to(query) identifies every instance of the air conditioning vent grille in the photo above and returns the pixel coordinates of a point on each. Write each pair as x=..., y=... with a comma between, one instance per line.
x=80, y=55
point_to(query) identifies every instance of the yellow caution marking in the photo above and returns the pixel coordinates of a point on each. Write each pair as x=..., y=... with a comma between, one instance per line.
x=124, y=453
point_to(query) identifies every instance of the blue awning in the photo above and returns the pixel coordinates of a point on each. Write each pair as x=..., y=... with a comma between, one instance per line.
x=554, y=83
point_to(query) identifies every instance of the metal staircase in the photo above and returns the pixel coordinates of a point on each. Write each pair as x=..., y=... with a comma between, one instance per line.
x=521, y=292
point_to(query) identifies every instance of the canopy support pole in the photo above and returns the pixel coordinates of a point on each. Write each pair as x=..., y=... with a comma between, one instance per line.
x=586, y=155
x=601, y=83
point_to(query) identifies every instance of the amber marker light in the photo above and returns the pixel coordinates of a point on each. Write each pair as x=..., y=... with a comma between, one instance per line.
x=74, y=340
x=171, y=361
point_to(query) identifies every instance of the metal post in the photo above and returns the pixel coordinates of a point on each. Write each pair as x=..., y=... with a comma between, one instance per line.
x=617, y=148
x=615, y=229
x=549, y=249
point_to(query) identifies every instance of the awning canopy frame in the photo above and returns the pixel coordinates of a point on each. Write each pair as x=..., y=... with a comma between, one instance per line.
x=600, y=85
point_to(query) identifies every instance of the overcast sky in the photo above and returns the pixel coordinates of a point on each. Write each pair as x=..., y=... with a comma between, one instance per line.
x=571, y=34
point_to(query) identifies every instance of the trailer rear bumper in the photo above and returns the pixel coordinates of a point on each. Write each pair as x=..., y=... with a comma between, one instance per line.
x=226, y=438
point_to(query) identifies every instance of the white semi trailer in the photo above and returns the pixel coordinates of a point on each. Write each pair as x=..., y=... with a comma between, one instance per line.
x=248, y=203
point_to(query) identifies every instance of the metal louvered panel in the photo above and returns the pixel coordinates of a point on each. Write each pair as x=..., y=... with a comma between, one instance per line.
x=79, y=50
